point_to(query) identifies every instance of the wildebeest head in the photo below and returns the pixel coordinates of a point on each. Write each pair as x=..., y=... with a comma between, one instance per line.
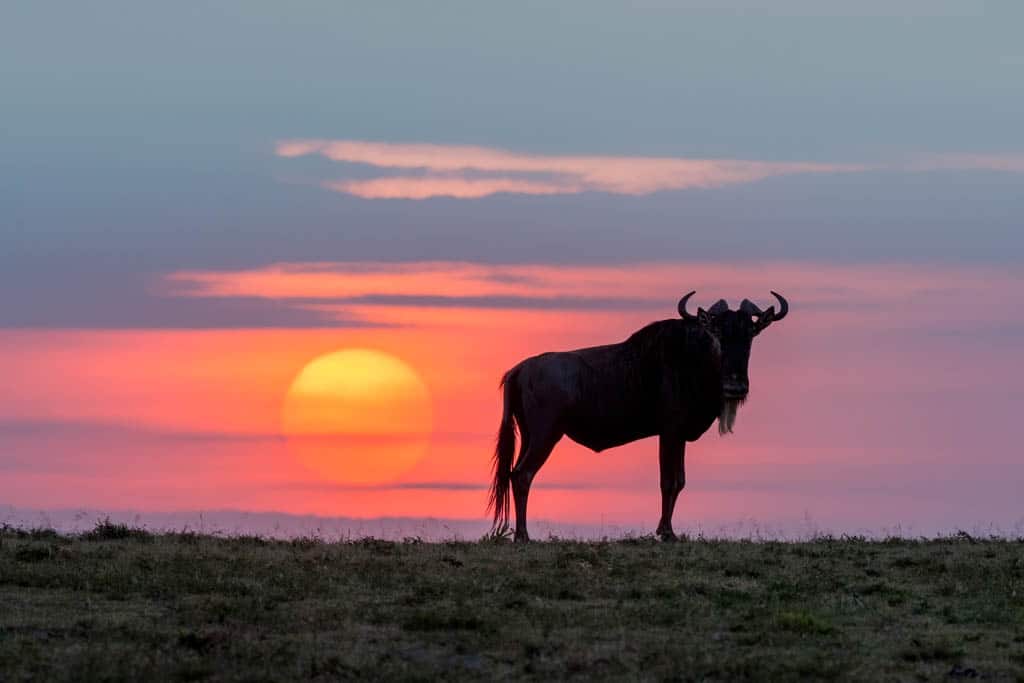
x=734, y=331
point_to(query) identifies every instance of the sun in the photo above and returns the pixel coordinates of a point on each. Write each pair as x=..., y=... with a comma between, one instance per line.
x=357, y=416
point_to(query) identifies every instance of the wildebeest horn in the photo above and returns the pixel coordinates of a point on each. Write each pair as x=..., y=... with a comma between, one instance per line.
x=683, y=313
x=783, y=306
x=721, y=306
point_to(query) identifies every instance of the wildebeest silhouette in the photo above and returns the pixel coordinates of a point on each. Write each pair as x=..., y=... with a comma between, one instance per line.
x=672, y=379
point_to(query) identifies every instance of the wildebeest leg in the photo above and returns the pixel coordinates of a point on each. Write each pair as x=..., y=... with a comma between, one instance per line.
x=532, y=457
x=671, y=454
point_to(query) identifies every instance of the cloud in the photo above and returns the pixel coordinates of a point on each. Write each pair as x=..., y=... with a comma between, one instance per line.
x=134, y=308
x=332, y=487
x=403, y=187
x=432, y=283
x=420, y=171
x=1009, y=163
x=438, y=293
x=113, y=430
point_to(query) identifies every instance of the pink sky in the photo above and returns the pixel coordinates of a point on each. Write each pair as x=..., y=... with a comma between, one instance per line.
x=883, y=386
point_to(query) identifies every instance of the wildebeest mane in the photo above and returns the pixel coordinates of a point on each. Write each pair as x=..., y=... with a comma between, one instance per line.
x=658, y=350
x=660, y=341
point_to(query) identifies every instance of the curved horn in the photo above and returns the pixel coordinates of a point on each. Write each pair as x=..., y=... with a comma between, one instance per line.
x=683, y=313
x=783, y=306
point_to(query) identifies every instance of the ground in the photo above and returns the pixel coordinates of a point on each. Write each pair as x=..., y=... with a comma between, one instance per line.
x=123, y=604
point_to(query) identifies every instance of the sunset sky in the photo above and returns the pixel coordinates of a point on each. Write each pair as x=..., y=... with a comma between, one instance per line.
x=196, y=201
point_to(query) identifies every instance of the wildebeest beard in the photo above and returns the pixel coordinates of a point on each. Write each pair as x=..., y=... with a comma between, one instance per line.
x=727, y=418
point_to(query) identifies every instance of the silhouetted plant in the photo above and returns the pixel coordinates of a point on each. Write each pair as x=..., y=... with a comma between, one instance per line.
x=105, y=530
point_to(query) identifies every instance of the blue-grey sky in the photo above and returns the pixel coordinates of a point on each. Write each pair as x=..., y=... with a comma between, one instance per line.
x=139, y=139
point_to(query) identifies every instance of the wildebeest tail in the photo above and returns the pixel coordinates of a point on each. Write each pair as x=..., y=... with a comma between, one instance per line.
x=504, y=452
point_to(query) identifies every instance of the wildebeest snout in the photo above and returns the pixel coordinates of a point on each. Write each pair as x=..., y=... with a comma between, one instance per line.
x=735, y=386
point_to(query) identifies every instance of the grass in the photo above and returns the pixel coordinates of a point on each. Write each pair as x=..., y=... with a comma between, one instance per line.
x=119, y=603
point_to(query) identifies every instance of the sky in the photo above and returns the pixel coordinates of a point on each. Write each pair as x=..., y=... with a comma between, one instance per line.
x=198, y=200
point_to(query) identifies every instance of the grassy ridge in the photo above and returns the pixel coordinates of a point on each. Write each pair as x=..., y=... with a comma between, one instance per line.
x=124, y=604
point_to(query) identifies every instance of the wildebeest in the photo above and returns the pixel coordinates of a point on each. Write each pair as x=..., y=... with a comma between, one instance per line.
x=672, y=379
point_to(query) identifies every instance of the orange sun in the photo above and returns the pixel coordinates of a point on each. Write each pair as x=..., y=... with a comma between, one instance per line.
x=357, y=416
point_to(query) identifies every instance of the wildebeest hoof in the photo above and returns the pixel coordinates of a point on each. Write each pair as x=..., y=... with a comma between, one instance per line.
x=668, y=536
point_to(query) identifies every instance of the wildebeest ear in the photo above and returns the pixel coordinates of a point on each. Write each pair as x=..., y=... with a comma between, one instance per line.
x=764, y=320
x=704, y=318
x=750, y=308
x=719, y=307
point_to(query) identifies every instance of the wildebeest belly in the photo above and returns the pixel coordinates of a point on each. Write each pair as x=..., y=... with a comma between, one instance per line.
x=604, y=440
x=607, y=432
x=614, y=424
